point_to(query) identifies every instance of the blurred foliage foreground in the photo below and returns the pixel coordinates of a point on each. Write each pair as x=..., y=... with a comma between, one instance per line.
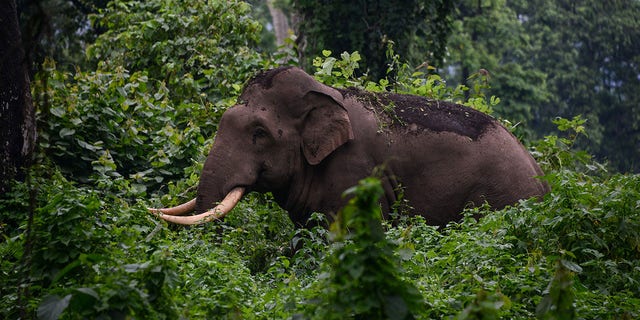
x=77, y=241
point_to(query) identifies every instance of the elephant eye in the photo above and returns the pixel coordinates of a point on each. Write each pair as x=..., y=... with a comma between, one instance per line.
x=259, y=133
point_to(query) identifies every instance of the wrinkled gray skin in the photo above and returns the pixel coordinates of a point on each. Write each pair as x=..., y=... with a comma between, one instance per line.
x=307, y=142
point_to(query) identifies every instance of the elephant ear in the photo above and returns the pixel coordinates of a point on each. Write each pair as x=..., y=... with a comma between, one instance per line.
x=326, y=126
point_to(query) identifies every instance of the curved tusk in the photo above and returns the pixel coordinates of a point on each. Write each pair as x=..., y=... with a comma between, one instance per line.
x=177, y=210
x=218, y=212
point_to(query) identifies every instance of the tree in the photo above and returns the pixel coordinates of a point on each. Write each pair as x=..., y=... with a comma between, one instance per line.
x=589, y=51
x=551, y=58
x=58, y=29
x=367, y=26
x=488, y=36
x=154, y=59
x=280, y=22
x=17, y=121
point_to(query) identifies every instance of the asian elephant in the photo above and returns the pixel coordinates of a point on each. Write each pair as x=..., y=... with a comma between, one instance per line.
x=307, y=142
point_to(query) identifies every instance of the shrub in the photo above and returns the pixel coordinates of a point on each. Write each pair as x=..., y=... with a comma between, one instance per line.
x=363, y=276
x=164, y=73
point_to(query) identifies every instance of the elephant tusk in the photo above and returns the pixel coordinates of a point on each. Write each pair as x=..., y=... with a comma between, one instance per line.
x=221, y=210
x=177, y=210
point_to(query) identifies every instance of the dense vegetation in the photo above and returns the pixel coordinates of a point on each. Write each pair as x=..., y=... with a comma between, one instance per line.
x=131, y=128
x=419, y=28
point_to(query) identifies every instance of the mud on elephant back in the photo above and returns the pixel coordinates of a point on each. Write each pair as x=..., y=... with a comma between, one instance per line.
x=307, y=142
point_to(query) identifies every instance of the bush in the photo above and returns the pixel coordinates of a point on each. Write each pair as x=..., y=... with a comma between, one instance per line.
x=362, y=276
x=164, y=73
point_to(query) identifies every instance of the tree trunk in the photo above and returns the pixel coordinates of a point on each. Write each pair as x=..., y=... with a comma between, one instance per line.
x=17, y=115
x=280, y=23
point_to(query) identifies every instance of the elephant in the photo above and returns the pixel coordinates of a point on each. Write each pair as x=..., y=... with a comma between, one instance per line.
x=306, y=142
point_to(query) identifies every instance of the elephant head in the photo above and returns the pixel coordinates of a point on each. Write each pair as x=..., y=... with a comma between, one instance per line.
x=283, y=122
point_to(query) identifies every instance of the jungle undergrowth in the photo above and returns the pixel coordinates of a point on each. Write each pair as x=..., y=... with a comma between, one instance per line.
x=98, y=253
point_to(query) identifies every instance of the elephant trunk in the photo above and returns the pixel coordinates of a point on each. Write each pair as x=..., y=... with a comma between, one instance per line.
x=221, y=210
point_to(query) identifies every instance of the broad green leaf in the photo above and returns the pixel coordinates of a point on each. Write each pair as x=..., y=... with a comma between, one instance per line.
x=58, y=111
x=64, y=132
x=52, y=307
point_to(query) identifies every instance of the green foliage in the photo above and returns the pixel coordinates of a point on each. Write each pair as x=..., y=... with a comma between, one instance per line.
x=576, y=241
x=376, y=25
x=487, y=37
x=94, y=255
x=338, y=72
x=594, y=222
x=557, y=152
x=117, y=124
x=187, y=46
x=402, y=78
x=164, y=73
x=144, y=114
x=57, y=29
x=559, y=296
x=362, y=274
x=76, y=263
x=587, y=50
x=549, y=59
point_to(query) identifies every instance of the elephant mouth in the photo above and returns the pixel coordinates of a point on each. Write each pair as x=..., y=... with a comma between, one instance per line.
x=174, y=214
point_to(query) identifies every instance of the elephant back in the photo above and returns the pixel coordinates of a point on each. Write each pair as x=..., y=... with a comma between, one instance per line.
x=428, y=114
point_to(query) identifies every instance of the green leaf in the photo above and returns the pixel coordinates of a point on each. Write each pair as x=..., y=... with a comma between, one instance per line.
x=87, y=145
x=64, y=132
x=396, y=308
x=571, y=265
x=52, y=307
x=84, y=299
x=88, y=292
x=134, y=267
x=58, y=112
